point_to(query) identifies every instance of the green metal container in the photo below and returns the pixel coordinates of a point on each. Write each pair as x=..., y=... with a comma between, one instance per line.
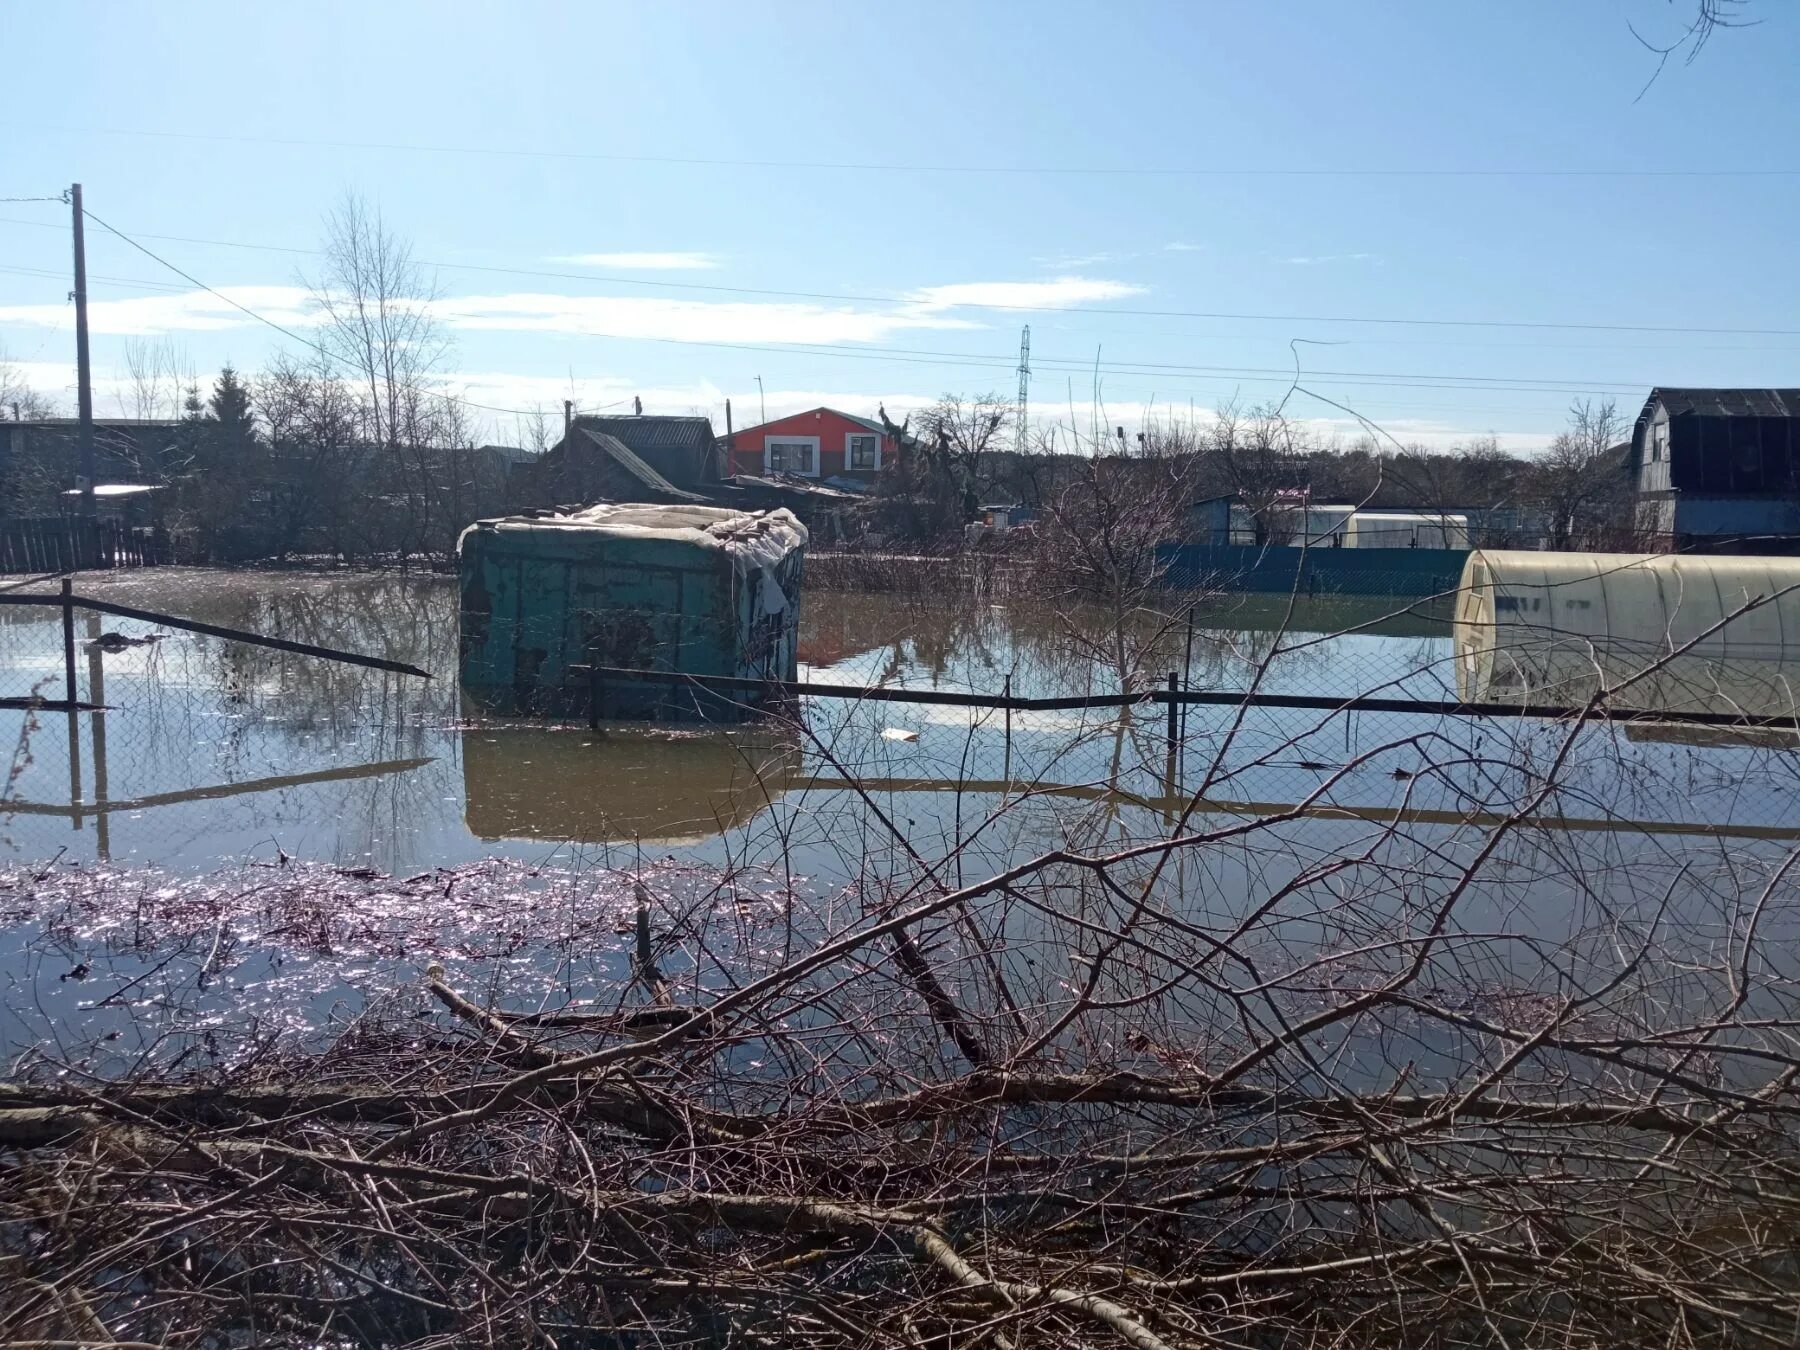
x=555, y=604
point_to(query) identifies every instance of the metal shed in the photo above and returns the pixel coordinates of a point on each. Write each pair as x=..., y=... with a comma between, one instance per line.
x=1669, y=633
x=552, y=598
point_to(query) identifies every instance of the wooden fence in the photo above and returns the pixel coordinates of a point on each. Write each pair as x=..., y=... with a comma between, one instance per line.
x=36, y=545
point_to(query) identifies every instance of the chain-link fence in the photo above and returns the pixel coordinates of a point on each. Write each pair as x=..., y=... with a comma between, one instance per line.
x=207, y=750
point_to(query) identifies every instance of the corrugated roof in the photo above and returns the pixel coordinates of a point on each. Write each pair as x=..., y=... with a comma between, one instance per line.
x=628, y=460
x=1728, y=402
x=655, y=433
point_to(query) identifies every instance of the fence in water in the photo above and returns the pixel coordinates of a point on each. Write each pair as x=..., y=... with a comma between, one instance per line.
x=990, y=716
x=36, y=545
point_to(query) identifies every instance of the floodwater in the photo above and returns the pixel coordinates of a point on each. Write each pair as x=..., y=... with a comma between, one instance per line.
x=369, y=823
x=213, y=753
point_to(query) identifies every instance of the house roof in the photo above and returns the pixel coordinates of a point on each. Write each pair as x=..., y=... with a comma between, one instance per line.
x=868, y=422
x=628, y=459
x=654, y=433
x=121, y=423
x=680, y=449
x=1727, y=402
x=512, y=454
x=1708, y=403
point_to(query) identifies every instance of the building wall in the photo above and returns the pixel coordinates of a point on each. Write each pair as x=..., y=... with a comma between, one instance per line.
x=1653, y=470
x=1733, y=456
x=831, y=432
x=1317, y=571
x=1735, y=515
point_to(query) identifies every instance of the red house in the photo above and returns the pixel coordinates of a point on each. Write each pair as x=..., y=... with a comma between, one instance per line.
x=822, y=443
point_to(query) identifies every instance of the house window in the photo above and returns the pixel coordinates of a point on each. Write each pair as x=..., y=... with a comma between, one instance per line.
x=862, y=453
x=792, y=454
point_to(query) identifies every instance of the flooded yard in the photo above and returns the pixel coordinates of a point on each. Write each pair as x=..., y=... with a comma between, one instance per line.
x=225, y=785
x=213, y=753
x=1222, y=935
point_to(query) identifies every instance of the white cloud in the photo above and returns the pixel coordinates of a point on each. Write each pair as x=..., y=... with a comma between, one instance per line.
x=628, y=317
x=1318, y=260
x=649, y=317
x=1065, y=262
x=706, y=397
x=1022, y=294
x=643, y=262
x=186, y=311
x=1179, y=247
x=506, y=389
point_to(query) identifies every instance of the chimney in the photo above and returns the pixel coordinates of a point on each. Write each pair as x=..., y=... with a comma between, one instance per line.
x=568, y=416
x=730, y=464
x=637, y=405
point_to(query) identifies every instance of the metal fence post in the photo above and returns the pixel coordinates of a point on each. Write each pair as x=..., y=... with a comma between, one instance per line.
x=68, y=617
x=1174, y=711
x=1006, y=765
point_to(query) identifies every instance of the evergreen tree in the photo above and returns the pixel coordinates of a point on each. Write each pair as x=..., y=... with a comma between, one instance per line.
x=229, y=406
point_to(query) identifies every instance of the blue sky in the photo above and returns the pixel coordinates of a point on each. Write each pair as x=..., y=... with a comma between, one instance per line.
x=1178, y=191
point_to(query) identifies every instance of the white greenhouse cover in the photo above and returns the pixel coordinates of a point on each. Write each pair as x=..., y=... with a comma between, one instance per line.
x=1666, y=632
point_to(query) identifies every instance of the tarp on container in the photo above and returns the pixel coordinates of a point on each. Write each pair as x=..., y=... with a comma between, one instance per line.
x=1669, y=633
x=755, y=538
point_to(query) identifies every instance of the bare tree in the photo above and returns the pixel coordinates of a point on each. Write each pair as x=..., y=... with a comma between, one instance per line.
x=375, y=303
x=937, y=487
x=316, y=454
x=1258, y=454
x=19, y=400
x=1580, y=483
x=1103, y=522
x=158, y=375
x=1710, y=16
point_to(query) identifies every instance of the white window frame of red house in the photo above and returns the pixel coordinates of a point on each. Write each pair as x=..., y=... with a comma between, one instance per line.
x=850, y=436
x=771, y=441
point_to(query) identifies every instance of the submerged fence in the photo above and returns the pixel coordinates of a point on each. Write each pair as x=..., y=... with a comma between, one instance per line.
x=1173, y=752
x=34, y=545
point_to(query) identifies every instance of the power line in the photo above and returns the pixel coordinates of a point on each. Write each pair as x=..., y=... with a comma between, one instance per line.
x=1047, y=170
x=63, y=276
x=985, y=360
x=922, y=300
x=285, y=332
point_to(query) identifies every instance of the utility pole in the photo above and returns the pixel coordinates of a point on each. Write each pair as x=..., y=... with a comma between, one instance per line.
x=762, y=404
x=84, y=382
x=1024, y=386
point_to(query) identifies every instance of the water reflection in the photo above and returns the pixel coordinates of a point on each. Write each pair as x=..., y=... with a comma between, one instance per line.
x=616, y=786
x=214, y=752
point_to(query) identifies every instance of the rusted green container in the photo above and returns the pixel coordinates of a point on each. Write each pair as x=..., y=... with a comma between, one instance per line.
x=556, y=604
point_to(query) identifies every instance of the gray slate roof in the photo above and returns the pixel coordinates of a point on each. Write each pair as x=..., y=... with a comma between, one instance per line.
x=1729, y=402
x=629, y=460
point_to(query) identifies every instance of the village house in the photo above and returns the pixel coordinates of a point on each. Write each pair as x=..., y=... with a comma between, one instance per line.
x=822, y=443
x=1718, y=470
x=628, y=459
x=39, y=458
